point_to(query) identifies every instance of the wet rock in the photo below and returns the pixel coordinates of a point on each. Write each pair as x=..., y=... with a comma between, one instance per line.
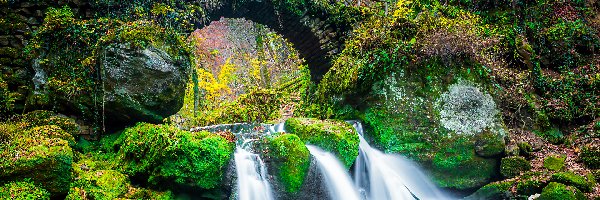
x=141, y=84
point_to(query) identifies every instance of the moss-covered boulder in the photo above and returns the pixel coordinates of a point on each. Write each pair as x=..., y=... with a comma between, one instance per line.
x=44, y=117
x=39, y=155
x=570, y=178
x=554, y=162
x=513, y=166
x=101, y=185
x=530, y=186
x=291, y=159
x=559, y=191
x=23, y=190
x=493, y=191
x=164, y=154
x=335, y=136
x=488, y=144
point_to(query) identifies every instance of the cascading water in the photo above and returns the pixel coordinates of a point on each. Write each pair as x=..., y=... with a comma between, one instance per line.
x=339, y=183
x=252, y=183
x=387, y=176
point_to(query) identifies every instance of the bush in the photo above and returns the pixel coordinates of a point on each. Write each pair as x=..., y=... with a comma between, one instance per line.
x=291, y=159
x=513, y=166
x=590, y=157
x=554, y=135
x=335, y=136
x=22, y=190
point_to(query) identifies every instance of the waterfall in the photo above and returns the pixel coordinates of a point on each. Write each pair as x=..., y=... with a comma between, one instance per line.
x=386, y=176
x=338, y=181
x=252, y=183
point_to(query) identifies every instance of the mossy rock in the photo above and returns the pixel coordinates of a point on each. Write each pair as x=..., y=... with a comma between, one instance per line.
x=52, y=131
x=165, y=154
x=559, y=191
x=44, y=117
x=570, y=178
x=291, y=159
x=525, y=149
x=513, y=166
x=493, y=191
x=23, y=190
x=100, y=185
x=335, y=136
x=457, y=166
x=555, y=162
x=590, y=157
x=530, y=186
x=488, y=144
x=45, y=160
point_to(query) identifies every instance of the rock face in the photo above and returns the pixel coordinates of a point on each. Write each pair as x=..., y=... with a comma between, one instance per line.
x=141, y=84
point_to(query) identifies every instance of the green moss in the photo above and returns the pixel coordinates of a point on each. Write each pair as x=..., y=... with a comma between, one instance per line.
x=570, y=178
x=492, y=190
x=22, y=190
x=168, y=154
x=525, y=148
x=590, y=157
x=555, y=162
x=292, y=159
x=489, y=144
x=52, y=131
x=335, y=136
x=43, y=158
x=559, y=191
x=43, y=117
x=101, y=185
x=513, y=166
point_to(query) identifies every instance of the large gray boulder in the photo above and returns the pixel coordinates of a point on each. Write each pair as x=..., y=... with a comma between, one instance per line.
x=141, y=84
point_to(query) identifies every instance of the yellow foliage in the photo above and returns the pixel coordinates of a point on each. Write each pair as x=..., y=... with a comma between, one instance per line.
x=402, y=9
x=216, y=88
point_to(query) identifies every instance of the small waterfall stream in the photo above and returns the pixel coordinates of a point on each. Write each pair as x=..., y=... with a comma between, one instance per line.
x=339, y=183
x=252, y=183
x=388, y=176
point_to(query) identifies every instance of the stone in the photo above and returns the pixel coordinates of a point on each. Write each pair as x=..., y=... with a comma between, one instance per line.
x=141, y=84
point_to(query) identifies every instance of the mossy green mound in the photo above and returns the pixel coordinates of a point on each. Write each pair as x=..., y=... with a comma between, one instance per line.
x=554, y=162
x=513, y=166
x=492, y=191
x=166, y=154
x=530, y=186
x=23, y=190
x=335, y=136
x=100, y=185
x=559, y=191
x=570, y=178
x=291, y=159
x=37, y=153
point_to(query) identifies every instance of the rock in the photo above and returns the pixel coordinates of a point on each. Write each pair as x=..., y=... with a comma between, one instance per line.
x=291, y=161
x=141, y=84
x=555, y=191
x=492, y=191
x=513, y=166
x=570, y=178
x=488, y=144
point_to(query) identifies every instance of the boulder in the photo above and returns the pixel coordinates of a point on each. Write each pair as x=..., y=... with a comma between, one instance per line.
x=141, y=84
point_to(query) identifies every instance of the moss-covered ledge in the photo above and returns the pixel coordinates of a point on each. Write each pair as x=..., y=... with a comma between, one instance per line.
x=336, y=136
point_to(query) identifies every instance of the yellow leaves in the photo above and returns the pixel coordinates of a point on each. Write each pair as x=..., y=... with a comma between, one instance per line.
x=402, y=9
x=216, y=88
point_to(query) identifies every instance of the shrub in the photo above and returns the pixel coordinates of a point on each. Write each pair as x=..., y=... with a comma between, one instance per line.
x=590, y=157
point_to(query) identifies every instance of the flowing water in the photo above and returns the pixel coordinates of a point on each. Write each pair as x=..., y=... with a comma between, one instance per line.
x=386, y=176
x=338, y=181
x=252, y=182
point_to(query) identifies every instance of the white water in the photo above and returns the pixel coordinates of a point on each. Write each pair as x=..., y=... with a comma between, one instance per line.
x=339, y=183
x=385, y=176
x=252, y=183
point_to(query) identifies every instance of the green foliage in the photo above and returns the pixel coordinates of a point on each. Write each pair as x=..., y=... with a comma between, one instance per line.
x=590, y=157
x=492, y=190
x=525, y=148
x=570, y=178
x=530, y=186
x=559, y=191
x=513, y=166
x=555, y=162
x=167, y=154
x=292, y=159
x=23, y=190
x=554, y=135
x=36, y=151
x=101, y=185
x=569, y=43
x=335, y=136
x=7, y=98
